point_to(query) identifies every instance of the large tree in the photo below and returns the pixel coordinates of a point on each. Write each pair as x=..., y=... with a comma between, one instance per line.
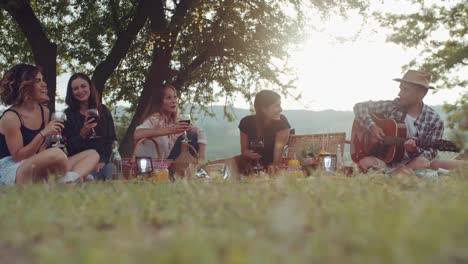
x=42, y=49
x=209, y=49
x=90, y=36
x=215, y=50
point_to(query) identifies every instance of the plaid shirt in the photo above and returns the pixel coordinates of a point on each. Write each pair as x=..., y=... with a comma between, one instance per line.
x=428, y=125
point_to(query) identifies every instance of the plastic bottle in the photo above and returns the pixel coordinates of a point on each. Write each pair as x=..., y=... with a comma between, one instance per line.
x=294, y=167
x=116, y=161
x=339, y=158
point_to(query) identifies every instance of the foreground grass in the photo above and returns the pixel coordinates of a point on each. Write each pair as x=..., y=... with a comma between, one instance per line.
x=365, y=219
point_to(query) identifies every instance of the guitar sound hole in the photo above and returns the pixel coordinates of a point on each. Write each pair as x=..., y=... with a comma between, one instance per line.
x=379, y=150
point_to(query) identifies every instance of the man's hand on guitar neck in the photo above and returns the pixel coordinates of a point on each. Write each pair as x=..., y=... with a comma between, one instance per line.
x=377, y=134
x=410, y=146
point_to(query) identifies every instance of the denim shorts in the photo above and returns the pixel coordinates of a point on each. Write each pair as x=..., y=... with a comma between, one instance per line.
x=104, y=174
x=8, y=168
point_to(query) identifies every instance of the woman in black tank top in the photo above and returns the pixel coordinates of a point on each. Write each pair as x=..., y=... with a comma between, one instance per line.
x=23, y=129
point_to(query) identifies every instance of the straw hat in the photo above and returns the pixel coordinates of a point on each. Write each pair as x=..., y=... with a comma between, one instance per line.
x=416, y=77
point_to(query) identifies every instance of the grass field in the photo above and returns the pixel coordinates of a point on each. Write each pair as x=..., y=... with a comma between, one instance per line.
x=332, y=219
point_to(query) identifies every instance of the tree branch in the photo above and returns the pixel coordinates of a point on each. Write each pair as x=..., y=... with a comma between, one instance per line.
x=210, y=52
x=115, y=16
x=105, y=69
x=177, y=19
x=157, y=16
x=44, y=51
x=23, y=14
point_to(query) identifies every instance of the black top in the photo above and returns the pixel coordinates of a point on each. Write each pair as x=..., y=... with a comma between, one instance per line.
x=27, y=133
x=248, y=126
x=105, y=130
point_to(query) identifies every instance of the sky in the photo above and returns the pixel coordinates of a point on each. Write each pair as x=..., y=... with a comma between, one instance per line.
x=336, y=75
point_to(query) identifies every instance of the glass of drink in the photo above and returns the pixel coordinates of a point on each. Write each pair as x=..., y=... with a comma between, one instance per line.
x=257, y=146
x=185, y=119
x=61, y=117
x=327, y=162
x=93, y=113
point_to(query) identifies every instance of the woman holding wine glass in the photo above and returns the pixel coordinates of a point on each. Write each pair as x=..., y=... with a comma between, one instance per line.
x=89, y=123
x=264, y=134
x=169, y=129
x=24, y=127
x=56, y=138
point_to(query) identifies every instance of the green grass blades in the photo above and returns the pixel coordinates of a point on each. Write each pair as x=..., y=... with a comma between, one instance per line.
x=321, y=219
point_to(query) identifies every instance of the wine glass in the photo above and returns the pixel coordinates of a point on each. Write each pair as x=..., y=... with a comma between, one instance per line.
x=184, y=118
x=93, y=113
x=257, y=146
x=61, y=117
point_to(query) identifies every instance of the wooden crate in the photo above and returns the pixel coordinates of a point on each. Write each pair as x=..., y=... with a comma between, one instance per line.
x=328, y=142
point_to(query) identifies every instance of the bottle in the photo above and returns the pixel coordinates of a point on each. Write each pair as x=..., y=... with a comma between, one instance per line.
x=292, y=131
x=294, y=167
x=162, y=171
x=339, y=158
x=116, y=162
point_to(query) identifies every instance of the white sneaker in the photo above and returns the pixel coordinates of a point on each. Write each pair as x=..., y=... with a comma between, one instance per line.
x=69, y=177
x=89, y=177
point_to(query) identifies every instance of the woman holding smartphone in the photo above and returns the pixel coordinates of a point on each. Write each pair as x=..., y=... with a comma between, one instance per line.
x=89, y=124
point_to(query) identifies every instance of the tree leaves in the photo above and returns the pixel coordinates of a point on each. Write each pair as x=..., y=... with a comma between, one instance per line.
x=443, y=55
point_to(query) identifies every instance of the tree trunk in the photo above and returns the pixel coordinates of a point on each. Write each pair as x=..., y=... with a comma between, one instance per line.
x=159, y=72
x=120, y=49
x=44, y=51
x=46, y=57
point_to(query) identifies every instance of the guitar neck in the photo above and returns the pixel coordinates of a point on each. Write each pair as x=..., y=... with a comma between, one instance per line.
x=424, y=143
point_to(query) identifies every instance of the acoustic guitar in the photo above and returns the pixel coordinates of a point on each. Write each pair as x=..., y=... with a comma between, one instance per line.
x=391, y=149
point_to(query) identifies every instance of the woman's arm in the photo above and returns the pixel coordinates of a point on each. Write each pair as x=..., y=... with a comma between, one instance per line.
x=202, y=142
x=245, y=151
x=44, y=144
x=202, y=152
x=14, y=138
x=157, y=132
x=281, y=140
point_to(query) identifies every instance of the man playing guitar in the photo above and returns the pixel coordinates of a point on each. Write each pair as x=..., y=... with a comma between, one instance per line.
x=421, y=122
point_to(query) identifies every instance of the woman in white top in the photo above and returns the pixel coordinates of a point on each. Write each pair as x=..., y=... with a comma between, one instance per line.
x=164, y=127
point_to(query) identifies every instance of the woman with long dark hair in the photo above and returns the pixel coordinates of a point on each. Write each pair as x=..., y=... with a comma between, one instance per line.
x=264, y=134
x=89, y=123
x=166, y=128
x=25, y=125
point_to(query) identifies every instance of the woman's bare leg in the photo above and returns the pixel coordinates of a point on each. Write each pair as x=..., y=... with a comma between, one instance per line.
x=38, y=167
x=83, y=163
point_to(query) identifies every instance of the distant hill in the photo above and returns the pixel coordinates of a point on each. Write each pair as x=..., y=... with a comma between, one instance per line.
x=223, y=136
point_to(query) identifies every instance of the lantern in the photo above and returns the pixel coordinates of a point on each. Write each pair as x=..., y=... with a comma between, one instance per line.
x=328, y=161
x=144, y=165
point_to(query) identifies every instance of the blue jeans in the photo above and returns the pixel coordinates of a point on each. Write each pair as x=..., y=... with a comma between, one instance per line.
x=104, y=174
x=175, y=152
